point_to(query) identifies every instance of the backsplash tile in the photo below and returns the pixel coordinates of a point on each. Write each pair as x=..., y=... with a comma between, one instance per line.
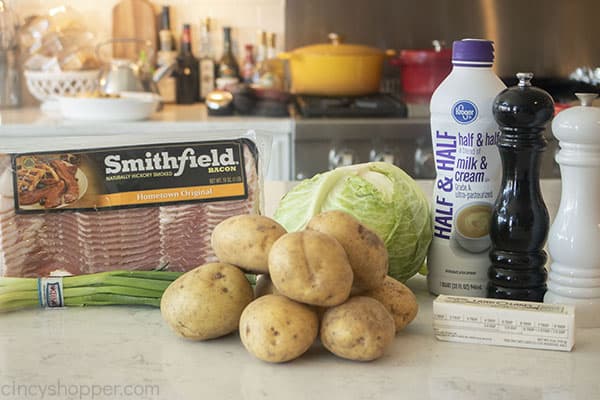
x=246, y=17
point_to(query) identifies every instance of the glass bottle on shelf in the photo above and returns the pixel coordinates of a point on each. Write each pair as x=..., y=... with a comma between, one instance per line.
x=165, y=36
x=187, y=70
x=272, y=69
x=271, y=46
x=166, y=55
x=207, y=60
x=261, y=55
x=248, y=65
x=278, y=65
x=228, y=69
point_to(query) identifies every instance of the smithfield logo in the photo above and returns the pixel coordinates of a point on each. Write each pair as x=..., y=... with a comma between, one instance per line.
x=464, y=112
x=161, y=161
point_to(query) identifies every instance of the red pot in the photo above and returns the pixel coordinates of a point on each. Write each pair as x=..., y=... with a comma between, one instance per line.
x=421, y=71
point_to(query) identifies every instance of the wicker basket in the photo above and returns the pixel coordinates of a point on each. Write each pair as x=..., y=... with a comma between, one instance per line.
x=45, y=86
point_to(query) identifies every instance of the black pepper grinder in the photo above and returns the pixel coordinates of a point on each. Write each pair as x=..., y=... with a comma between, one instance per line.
x=520, y=222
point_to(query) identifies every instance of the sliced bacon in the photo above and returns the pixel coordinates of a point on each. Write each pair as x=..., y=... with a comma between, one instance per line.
x=54, y=197
x=66, y=172
x=49, y=197
x=93, y=241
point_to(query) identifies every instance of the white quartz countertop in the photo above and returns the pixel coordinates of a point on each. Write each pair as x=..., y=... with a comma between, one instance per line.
x=107, y=352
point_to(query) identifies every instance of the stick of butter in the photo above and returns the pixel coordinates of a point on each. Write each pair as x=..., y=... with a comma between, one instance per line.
x=504, y=322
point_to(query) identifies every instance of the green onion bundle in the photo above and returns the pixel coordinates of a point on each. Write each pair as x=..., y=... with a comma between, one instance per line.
x=104, y=288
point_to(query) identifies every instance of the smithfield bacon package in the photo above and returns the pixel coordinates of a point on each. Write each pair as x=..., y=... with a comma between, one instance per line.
x=136, y=203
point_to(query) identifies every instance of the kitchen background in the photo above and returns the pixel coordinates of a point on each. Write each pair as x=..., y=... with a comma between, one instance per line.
x=244, y=16
x=548, y=37
x=562, y=40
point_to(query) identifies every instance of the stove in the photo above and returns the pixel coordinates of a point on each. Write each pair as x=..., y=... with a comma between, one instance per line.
x=379, y=105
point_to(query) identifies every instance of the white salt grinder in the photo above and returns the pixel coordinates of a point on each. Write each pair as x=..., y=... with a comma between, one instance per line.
x=574, y=237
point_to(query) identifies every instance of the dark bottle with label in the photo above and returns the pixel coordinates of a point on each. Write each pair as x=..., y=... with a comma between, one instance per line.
x=187, y=70
x=520, y=222
x=228, y=65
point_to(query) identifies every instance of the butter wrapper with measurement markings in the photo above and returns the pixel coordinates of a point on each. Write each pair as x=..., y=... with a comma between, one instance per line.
x=504, y=322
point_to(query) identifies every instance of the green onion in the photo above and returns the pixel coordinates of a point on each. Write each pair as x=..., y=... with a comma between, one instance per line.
x=252, y=279
x=104, y=288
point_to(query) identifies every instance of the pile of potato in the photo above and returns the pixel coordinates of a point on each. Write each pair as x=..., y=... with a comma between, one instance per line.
x=328, y=280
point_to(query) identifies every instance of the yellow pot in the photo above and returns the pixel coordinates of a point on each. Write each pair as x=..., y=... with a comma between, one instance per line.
x=336, y=69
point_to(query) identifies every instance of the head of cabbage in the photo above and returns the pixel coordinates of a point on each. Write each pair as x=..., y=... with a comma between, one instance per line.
x=381, y=196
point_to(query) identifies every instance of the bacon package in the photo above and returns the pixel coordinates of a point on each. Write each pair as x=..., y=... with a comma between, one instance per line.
x=141, y=206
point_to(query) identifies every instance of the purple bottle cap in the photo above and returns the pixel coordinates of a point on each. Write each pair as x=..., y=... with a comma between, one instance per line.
x=473, y=53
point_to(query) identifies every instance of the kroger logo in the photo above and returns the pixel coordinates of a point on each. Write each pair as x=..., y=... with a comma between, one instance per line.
x=464, y=112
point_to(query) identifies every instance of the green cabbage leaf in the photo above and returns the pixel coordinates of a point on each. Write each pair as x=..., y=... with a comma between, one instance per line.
x=381, y=196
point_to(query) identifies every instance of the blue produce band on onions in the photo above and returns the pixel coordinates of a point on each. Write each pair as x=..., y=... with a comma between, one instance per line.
x=116, y=287
x=50, y=292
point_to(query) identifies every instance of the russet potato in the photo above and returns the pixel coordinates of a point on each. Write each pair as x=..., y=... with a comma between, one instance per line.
x=366, y=252
x=206, y=302
x=398, y=299
x=360, y=329
x=245, y=241
x=276, y=329
x=311, y=267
